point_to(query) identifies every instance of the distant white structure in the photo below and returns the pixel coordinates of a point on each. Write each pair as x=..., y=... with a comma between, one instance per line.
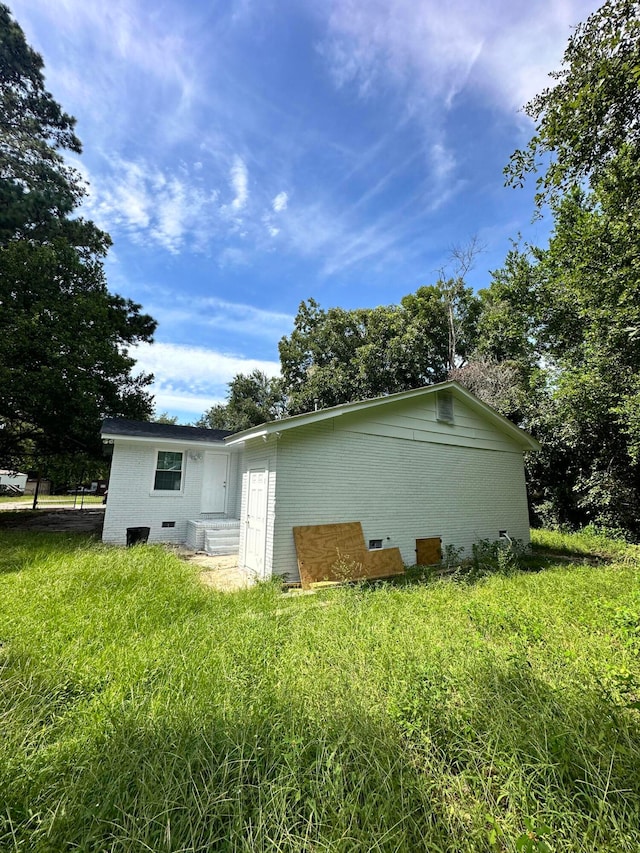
x=12, y=481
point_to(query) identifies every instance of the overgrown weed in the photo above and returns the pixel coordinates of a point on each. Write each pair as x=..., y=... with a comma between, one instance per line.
x=139, y=710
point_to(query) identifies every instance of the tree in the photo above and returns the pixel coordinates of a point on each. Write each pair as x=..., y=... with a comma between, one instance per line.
x=503, y=366
x=251, y=400
x=37, y=189
x=337, y=356
x=591, y=113
x=64, y=339
x=568, y=318
x=63, y=351
x=494, y=382
x=581, y=310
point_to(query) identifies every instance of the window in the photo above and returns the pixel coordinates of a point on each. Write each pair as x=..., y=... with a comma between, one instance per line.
x=168, y=472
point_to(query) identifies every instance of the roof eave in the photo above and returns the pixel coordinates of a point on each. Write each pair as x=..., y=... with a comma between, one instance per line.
x=264, y=430
x=158, y=439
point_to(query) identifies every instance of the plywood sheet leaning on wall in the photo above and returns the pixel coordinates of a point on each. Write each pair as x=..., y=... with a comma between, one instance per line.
x=384, y=563
x=337, y=552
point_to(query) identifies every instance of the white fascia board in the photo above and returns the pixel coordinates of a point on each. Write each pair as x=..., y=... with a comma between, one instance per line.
x=324, y=414
x=502, y=423
x=245, y=435
x=520, y=435
x=174, y=442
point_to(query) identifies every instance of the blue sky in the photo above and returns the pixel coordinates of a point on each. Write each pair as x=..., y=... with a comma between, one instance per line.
x=248, y=154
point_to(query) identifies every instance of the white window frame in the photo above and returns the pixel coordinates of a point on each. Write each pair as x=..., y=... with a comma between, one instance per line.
x=168, y=492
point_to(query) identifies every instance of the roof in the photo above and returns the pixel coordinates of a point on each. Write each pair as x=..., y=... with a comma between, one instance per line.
x=273, y=427
x=124, y=428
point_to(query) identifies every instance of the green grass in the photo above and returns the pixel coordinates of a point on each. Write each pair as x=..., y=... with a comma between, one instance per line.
x=44, y=500
x=140, y=711
x=589, y=542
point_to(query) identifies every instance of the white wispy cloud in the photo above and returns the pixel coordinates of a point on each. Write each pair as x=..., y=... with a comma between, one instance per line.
x=239, y=179
x=322, y=229
x=195, y=366
x=280, y=202
x=192, y=378
x=172, y=210
x=433, y=50
x=176, y=312
x=443, y=161
x=121, y=60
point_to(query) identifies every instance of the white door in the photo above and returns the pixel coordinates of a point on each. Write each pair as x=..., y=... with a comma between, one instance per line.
x=256, y=521
x=214, y=482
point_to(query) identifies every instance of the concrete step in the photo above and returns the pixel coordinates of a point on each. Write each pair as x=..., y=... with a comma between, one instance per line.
x=221, y=523
x=198, y=529
x=222, y=541
x=222, y=551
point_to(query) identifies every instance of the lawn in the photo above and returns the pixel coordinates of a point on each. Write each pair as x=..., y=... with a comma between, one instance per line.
x=45, y=500
x=140, y=711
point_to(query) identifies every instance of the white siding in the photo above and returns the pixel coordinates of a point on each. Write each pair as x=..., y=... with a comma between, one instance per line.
x=234, y=485
x=259, y=454
x=416, y=420
x=131, y=502
x=400, y=489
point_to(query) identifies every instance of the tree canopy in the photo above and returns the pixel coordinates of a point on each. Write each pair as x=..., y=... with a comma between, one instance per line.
x=575, y=305
x=591, y=115
x=335, y=356
x=251, y=400
x=37, y=189
x=64, y=338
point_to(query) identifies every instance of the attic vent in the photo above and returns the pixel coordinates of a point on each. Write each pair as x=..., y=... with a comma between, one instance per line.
x=444, y=406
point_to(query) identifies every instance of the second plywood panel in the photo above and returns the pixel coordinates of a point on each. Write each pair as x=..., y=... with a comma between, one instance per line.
x=337, y=552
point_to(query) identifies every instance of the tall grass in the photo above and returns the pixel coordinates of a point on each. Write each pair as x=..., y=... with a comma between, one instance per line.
x=140, y=711
x=589, y=542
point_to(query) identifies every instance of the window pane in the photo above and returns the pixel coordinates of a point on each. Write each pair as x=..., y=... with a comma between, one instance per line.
x=167, y=481
x=169, y=461
x=168, y=471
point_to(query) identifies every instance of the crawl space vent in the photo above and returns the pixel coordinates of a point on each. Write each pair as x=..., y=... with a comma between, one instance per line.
x=444, y=404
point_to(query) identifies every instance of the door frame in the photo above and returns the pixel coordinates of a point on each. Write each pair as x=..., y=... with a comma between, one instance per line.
x=257, y=467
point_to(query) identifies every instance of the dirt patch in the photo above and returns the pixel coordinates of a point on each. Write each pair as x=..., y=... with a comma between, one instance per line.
x=220, y=573
x=225, y=580
x=54, y=521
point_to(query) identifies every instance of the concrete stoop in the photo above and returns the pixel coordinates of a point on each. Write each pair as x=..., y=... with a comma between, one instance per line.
x=215, y=536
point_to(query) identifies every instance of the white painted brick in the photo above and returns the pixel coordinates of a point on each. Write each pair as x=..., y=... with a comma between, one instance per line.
x=399, y=489
x=131, y=502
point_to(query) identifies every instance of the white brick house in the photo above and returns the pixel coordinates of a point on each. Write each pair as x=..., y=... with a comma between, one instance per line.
x=433, y=462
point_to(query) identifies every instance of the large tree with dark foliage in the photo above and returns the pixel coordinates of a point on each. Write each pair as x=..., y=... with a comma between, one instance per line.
x=591, y=114
x=578, y=312
x=336, y=356
x=64, y=338
x=251, y=400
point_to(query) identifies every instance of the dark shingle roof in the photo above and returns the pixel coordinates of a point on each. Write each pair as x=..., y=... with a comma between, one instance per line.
x=146, y=429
